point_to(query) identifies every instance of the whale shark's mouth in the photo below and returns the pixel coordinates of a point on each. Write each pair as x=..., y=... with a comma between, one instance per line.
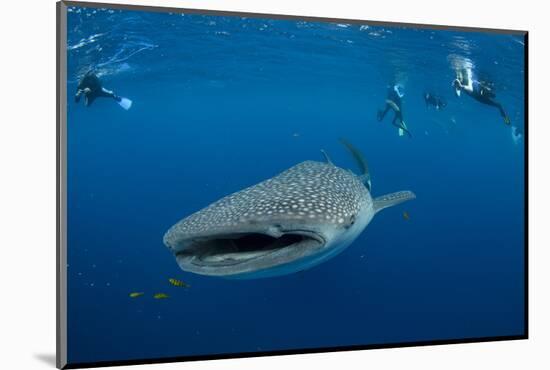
x=243, y=248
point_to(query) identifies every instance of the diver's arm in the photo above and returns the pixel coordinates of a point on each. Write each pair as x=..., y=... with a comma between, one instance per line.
x=469, y=88
x=470, y=80
x=79, y=92
x=77, y=95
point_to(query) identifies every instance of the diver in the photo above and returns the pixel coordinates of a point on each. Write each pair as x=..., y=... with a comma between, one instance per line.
x=516, y=134
x=393, y=102
x=435, y=100
x=477, y=90
x=90, y=86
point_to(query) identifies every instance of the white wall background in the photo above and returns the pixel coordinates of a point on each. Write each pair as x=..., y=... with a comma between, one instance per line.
x=27, y=182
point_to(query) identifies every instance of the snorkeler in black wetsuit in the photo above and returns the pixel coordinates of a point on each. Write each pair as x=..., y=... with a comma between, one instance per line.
x=90, y=86
x=483, y=94
x=393, y=102
x=435, y=100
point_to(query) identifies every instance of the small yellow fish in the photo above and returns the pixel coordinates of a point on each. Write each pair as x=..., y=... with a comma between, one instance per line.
x=406, y=216
x=178, y=283
x=136, y=294
x=160, y=296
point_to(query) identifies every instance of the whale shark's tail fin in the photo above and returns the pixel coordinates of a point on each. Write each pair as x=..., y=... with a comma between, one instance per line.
x=361, y=162
x=392, y=199
x=125, y=103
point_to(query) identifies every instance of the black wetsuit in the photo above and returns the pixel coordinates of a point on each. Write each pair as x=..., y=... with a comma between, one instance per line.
x=393, y=97
x=486, y=96
x=90, y=86
x=437, y=101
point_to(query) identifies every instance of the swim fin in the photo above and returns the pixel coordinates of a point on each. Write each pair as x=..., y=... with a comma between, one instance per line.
x=506, y=120
x=402, y=130
x=125, y=103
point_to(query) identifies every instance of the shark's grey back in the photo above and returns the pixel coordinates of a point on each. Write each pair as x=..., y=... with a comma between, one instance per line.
x=309, y=191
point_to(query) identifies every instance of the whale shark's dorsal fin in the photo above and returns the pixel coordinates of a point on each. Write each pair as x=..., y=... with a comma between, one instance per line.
x=327, y=157
x=361, y=162
x=392, y=199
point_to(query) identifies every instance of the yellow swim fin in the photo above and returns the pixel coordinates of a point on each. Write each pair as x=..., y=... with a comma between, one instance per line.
x=506, y=120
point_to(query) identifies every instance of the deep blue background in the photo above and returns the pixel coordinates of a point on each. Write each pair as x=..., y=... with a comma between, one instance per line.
x=221, y=103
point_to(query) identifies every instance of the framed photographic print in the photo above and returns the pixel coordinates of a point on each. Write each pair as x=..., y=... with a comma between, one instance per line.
x=234, y=184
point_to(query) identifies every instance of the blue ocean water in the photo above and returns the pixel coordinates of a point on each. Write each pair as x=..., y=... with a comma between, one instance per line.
x=221, y=103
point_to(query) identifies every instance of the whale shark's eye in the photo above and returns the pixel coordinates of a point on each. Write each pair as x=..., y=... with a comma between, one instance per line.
x=350, y=222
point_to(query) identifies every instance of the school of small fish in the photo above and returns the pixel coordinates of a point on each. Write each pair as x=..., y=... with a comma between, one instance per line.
x=172, y=281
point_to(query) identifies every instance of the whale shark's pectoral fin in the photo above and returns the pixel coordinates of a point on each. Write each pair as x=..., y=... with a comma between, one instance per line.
x=327, y=157
x=392, y=199
x=361, y=162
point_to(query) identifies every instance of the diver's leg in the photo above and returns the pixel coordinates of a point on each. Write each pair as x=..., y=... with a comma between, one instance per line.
x=501, y=110
x=394, y=122
x=487, y=93
x=397, y=118
x=382, y=114
x=503, y=114
x=109, y=94
x=497, y=105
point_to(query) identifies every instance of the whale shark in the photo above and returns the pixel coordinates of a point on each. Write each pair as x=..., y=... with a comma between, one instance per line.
x=291, y=222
